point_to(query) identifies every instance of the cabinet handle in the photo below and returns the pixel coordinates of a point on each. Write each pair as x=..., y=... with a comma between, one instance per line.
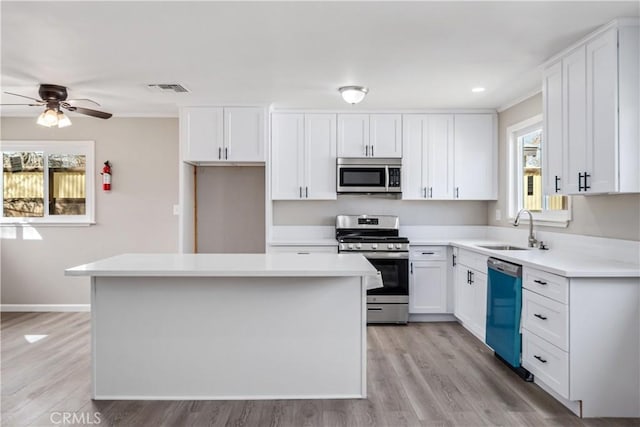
x=374, y=308
x=226, y=154
x=424, y=192
x=468, y=276
x=428, y=253
x=306, y=192
x=540, y=282
x=557, y=181
x=430, y=192
x=411, y=268
x=457, y=192
x=586, y=186
x=539, y=358
x=372, y=155
x=219, y=153
x=300, y=192
x=366, y=150
x=453, y=260
x=540, y=316
x=579, y=181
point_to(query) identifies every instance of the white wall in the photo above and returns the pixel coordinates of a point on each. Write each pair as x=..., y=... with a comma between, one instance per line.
x=136, y=216
x=614, y=216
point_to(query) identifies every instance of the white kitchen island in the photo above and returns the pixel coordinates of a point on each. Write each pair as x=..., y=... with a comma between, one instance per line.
x=229, y=326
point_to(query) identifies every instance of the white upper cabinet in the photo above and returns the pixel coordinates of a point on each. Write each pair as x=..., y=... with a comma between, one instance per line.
x=201, y=133
x=370, y=135
x=475, y=154
x=211, y=135
x=597, y=126
x=428, y=162
x=552, y=145
x=303, y=156
x=244, y=134
x=353, y=135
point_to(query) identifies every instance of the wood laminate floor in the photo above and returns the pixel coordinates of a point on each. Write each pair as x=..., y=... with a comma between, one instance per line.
x=426, y=374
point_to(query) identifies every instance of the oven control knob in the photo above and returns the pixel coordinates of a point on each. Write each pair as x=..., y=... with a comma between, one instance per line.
x=350, y=245
x=358, y=245
x=390, y=246
x=398, y=246
x=374, y=246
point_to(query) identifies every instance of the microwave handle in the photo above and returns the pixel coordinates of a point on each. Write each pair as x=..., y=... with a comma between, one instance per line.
x=386, y=175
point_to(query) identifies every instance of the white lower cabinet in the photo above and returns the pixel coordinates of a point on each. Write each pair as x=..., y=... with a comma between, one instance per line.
x=470, y=281
x=428, y=280
x=581, y=340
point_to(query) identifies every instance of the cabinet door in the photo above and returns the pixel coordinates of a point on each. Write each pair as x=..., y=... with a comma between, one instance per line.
x=463, y=296
x=320, y=156
x=287, y=156
x=475, y=157
x=353, y=135
x=385, y=135
x=552, y=139
x=201, y=134
x=428, y=287
x=440, y=163
x=414, y=148
x=575, y=116
x=479, y=313
x=602, y=101
x=244, y=134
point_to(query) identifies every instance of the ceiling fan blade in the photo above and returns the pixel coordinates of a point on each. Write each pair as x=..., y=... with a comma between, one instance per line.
x=28, y=97
x=89, y=112
x=83, y=100
x=30, y=105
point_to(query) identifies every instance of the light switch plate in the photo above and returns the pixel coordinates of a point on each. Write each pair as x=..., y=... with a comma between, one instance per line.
x=176, y=209
x=498, y=215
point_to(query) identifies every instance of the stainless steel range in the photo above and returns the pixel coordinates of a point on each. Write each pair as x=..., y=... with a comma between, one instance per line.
x=377, y=238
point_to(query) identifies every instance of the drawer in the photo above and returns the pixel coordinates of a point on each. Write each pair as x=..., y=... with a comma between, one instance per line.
x=547, y=284
x=304, y=249
x=428, y=253
x=546, y=318
x=547, y=362
x=472, y=259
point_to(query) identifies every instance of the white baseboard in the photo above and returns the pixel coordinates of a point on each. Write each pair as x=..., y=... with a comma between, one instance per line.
x=444, y=317
x=45, y=307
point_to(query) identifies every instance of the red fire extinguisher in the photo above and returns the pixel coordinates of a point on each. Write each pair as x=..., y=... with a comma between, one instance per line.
x=106, y=176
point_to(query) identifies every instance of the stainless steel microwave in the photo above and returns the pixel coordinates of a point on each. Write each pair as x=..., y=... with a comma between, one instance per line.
x=355, y=175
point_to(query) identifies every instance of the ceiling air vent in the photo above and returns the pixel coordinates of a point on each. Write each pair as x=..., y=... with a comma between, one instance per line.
x=168, y=87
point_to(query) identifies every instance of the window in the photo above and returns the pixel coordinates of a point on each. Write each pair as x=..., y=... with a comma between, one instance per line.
x=526, y=188
x=48, y=182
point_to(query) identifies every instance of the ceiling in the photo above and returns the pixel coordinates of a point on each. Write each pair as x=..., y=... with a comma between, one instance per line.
x=288, y=54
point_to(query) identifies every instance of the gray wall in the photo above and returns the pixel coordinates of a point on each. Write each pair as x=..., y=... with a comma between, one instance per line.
x=230, y=204
x=136, y=216
x=410, y=212
x=615, y=216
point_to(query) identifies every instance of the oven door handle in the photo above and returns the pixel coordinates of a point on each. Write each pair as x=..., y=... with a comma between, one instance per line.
x=385, y=255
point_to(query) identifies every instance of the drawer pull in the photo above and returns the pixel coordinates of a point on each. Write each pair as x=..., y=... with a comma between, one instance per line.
x=428, y=253
x=540, y=282
x=374, y=309
x=539, y=358
x=540, y=316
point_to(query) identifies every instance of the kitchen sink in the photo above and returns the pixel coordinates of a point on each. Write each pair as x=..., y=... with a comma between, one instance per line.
x=502, y=247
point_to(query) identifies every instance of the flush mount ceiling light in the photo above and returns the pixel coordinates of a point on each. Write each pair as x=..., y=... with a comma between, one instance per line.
x=353, y=94
x=477, y=89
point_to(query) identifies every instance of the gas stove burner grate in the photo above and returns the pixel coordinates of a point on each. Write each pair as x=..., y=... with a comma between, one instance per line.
x=372, y=239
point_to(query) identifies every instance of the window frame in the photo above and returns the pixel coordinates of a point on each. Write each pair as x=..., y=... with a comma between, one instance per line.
x=515, y=188
x=86, y=148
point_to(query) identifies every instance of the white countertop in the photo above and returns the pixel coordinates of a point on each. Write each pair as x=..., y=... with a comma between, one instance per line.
x=228, y=265
x=559, y=262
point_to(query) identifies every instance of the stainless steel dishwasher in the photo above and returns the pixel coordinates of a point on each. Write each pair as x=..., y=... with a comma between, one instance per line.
x=504, y=304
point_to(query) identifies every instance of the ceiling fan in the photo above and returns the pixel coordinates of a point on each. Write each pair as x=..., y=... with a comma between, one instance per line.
x=54, y=98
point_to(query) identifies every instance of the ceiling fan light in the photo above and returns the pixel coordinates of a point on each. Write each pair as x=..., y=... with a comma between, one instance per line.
x=63, y=121
x=48, y=118
x=353, y=94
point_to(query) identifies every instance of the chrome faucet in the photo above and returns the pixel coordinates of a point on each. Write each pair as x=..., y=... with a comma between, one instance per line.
x=532, y=239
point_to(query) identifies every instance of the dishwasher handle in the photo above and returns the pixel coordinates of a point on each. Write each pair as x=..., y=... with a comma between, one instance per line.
x=504, y=267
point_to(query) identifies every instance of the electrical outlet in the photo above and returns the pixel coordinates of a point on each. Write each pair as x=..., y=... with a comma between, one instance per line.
x=498, y=214
x=176, y=209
